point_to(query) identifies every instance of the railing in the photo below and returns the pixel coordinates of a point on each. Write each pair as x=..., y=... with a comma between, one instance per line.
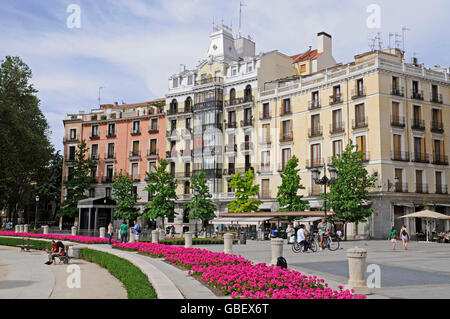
x=172, y=112
x=441, y=189
x=400, y=156
x=208, y=80
x=335, y=99
x=314, y=132
x=315, y=162
x=134, y=155
x=110, y=156
x=171, y=154
x=246, y=146
x=337, y=128
x=397, y=91
x=265, y=169
x=73, y=139
x=265, y=140
x=286, y=136
x=437, y=127
x=111, y=134
x=418, y=124
x=152, y=154
x=208, y=105
x=421, y=188
x=181, y=175
x=230, y=148
x=265, y=115
x=212, y=126
x=398, y=121
x=94, y=137
x=247, y=122
x=230, y=125
x=360, y=123
x=314, y=104
x=401, y=187
x=153, y=129
x=107, y=179
x=436, y=98
x=172, y=134
x=420, y=157
x=136, y=132
x=94, y=157
x=186, y=153
x=238, y=101
x=440, y=159
x=284, y=111
x=70, y=158
x=417, y=95
x=210, y=173
x=358, y=93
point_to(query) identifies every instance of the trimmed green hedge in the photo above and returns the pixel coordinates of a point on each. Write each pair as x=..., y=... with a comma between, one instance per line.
x=34, y=244
x=195, y=241
x=135, y=281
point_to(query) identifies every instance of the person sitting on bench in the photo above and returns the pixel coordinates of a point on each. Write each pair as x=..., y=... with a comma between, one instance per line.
x=57, y=251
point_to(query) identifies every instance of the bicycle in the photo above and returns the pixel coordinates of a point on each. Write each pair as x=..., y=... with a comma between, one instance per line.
x=311, y=245
x=329, y=243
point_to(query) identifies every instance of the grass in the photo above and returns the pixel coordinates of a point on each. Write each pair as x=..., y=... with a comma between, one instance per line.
x=135, y=281
x=34, y=244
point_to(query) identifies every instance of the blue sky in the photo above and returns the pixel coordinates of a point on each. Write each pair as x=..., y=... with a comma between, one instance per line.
x=131, y=47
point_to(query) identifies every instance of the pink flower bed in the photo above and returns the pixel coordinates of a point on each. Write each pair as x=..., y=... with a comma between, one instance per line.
x=78, y=239
x=241, y=278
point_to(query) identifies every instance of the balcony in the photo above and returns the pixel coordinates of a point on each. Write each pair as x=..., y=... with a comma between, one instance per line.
x=315, y=162
x=111, y=135
x=401, y=187
x=107, y=179
x=238, y=101
x=264, y=169
x=336, y=128
x=440, y=159
x=417, y=124
x=209, y=80
x=229, y=148
x=136, y=132
x=265, y=115
x=420, y=157
x=314, y=104
x=417, y=95
x=400, y=156
x=397, y=91
x=172, y=112
x=186, y=153
x=110, y=157
x=183, y=175
x=441, y=189
x=421, y=188
x=335, y=99
x=315, y=132
x=398, y=121
x=70, y=158
x=358, y=93
x=212, y=126
x=246, y=146
x=436, y=98
x=71, y=139
x=264, y=140
x=360, y=123
x=134, y=156
x=93, y=157
x=247, y=122
x=285, y=111
x=170, y=155
x=208, y=105
x=286, y=137
x=230, y=125
x=172, y=134
x=94, y=137
x=437, y=127
x=153, y=129
x=152, y=154
x=210, y=173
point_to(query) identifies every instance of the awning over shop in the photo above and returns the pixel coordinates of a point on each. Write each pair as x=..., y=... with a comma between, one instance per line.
x=240, y=221
x=309, y=220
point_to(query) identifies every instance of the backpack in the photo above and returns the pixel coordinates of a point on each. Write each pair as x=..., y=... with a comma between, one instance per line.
x=281, y=262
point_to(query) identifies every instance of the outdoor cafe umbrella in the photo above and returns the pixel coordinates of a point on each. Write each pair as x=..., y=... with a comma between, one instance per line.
x=428, y=215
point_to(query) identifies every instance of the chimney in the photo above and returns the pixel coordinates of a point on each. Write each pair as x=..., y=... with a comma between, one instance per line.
x=324, y=43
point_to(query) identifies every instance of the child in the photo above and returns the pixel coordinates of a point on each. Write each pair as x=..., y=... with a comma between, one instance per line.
x=393, y=236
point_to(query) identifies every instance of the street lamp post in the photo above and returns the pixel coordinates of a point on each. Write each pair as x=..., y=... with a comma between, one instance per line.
x=324, y=181
x=195, y=213
x=35, y=215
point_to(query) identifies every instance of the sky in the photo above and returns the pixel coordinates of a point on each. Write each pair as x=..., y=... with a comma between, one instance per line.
x=131, y=47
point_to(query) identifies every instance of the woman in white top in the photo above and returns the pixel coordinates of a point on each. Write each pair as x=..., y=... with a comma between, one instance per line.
x=301, y=237
x=404, y=234
x=110, y=232
x=289, y=232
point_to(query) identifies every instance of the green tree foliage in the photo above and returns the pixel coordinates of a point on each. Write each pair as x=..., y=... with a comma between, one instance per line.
x=244, y=193
x=161, y=186
x=349, y=195
x=201, y=200
x=125, y=197
x=24, y=145
x=79, y=183
x=287, y=195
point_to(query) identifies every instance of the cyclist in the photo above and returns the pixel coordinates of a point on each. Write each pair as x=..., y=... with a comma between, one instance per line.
x=302, y=237
x=324, y=229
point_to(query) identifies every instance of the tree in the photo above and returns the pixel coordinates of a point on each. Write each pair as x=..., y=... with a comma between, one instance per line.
x=79, y=182
x=287, y=195
x=24, y=145
x=161, y=186
x=244, y=193
x=125, y=197
x=201, y=207
x=349, y=194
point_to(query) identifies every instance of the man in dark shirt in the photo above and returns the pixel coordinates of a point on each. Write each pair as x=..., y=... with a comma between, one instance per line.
x=59, y=251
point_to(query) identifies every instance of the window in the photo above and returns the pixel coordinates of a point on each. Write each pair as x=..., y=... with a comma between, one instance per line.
x=135, y=171
x=152, y=166
x=154, y=125
x=110, y=150
x=249, y=67
x=73, y=134
x=399, y=177
x=287, y=131
x=135, y=151
x=361, y=145
x=266, y=133
x=315, y=99
x=359, y=87
x=285, y=157
x=92, y=193
x=415, y=87
x=438, y=178
x=286, y=106
x=94, y=151
x=187, y=188
x=266, y=110
x=315, y=124
x=337, y=121
x=233, y=70
x=360, y=119
x=136, y=127
x=397, y=138
x=93, y=172
x=303, y=68
x=175, y=82
x=108, y=191
x=315, y=155
x=188, y=123
x=265, y=188
x=71, y=153
x=94, y=131
x=153, y=150
x=190, y=79
x=111, y=129
x=337, y=148
x=417, y=113
x=265, y=161
x=110, y=171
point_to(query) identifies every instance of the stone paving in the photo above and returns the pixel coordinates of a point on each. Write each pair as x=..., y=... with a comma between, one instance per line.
x=422, y=271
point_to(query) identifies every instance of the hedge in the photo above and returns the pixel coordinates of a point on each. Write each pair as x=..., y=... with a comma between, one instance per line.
x=135, y=281
x=34, y=244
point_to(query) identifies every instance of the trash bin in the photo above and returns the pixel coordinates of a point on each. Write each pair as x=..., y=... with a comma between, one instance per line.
x=243, y=238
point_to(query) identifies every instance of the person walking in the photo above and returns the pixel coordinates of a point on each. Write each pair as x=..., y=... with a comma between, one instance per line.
x=393, y=236
x=110, y=233
x=290, y=234
x=123, y=232
x=136, y=230
x=404, y=234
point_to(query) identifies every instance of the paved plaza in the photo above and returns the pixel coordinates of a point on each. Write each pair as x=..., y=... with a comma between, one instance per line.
x=422, y=271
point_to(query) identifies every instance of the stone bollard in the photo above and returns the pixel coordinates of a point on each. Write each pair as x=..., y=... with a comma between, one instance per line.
x=74, y=251
x=155, y=236
x=74, y=230
x=17, y=229
x=25, y=228
x=356, y=269
x=228, y=243
x=188, y=239
x=277, y=250
x=20, y=228
x=132, y=239
x=162, y=234
x=102, y=232
x=45, y=229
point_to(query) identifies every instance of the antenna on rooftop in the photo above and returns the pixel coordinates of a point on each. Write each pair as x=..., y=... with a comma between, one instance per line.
x=404, y=29
x=99, y=89
x=240, y=15
x=390, y=36
x=372, y=44
x=378, y=38
x=397, y=40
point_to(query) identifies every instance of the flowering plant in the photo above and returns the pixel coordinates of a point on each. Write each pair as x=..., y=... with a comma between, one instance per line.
x=78, y=239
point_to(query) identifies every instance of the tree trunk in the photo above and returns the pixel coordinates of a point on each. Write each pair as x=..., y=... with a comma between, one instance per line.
x=345, y=231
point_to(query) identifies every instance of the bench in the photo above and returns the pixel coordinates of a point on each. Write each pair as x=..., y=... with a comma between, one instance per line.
x=25, y=245
x=64, y=258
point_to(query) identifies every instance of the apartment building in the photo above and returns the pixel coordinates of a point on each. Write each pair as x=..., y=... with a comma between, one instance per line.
x=211, y=117
x=395, y=112
x=126, y=138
